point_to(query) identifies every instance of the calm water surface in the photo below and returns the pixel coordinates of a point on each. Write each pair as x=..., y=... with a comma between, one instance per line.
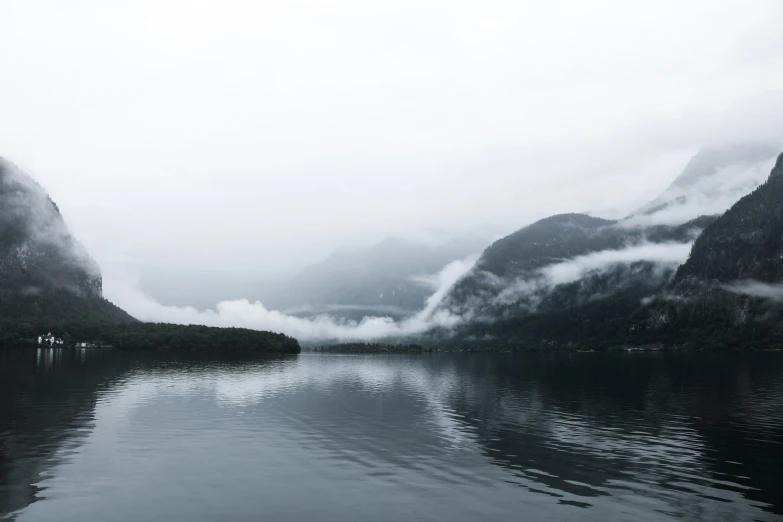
x=108, y=436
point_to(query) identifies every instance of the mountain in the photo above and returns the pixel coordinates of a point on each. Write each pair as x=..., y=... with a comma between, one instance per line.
x=746, y=242
x=729, y=293
x=713, y=180
x=576, y=280
x=49, y=283
x=44, y=271
x=519, y=273
x=391, y=278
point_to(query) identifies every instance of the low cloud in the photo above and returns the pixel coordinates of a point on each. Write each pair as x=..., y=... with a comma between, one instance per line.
x=123, y=289
x=773, y=292
x=529, y=291
x=340, y=308
x=647, y=301
x=671, y=254
x=709, y=195
x=34, y=231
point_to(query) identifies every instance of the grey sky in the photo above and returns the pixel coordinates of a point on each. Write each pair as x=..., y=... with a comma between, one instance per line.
x=256, y=137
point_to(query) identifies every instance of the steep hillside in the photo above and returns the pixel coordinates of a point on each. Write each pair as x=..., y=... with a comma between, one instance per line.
x=523, y=272
x=576, y=281
x=49, y=283
x=713, y=180
x=729, y=294
x=44, y=271
x=35, y=245
x=746, y=242
x=553, y=238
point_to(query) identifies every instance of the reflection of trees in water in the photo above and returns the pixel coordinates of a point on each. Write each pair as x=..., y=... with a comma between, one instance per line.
x=47, y=398
x=677, y=426
x=47, y=405
x=577, y=427
x=389, y=413
x=574, y=426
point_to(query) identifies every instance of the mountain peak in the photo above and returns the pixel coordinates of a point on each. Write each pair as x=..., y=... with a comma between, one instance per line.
x=36, y=248
x=710, y=159
x=777, y=172
x=712, y=181
x=745, y=242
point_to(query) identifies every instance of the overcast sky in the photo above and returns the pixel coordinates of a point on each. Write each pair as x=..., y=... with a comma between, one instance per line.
x=257, y=136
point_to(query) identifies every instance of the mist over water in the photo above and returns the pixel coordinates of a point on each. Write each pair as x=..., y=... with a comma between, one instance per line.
x=546, y=175
x=244, y=313
x=89, y=435
x=711, y=183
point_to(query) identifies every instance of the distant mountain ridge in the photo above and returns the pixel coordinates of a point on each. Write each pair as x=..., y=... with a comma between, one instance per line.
x=574, y=280
x=710, y=159
x=569, y=281
x=388, y=278
x=713, y=180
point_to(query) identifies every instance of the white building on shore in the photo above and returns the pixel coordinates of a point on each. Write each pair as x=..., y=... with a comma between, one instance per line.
x=49, y=340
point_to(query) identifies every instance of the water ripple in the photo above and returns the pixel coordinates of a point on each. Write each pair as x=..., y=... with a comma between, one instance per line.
x=119, y=436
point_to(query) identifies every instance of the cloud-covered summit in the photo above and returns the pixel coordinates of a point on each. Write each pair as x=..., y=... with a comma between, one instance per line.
x=713, y=180
x=35, y=243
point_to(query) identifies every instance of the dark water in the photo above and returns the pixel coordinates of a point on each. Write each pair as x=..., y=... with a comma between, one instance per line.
x=105, y=436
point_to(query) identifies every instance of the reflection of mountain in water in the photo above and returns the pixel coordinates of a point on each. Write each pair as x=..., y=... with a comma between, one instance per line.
x=688, y=430
x=679, y=433
x=47, y=398
x=48, y=403
x=458, y=436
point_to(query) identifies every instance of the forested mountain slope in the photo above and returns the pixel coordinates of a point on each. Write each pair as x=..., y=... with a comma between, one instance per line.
x=577, y=281
x=49, y=283
x=45, y=274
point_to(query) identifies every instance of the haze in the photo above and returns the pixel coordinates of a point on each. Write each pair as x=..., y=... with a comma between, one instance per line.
x=205, y=140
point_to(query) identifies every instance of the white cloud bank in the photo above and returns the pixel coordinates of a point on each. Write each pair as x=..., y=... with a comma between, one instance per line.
x=670, y=254
x=709, y=195
x=124, y=290
x=531, y=289
x=242, y=313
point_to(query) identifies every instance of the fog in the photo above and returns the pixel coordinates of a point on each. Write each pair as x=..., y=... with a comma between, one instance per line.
x=528, y=291
x=244, y=313
x=23, y=201
x=122, y=288
x=773, y=292
x=710, y=195
x=230, y=143
x=668, y=254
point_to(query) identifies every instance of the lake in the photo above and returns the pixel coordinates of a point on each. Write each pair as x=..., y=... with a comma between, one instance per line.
x=90, y=435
